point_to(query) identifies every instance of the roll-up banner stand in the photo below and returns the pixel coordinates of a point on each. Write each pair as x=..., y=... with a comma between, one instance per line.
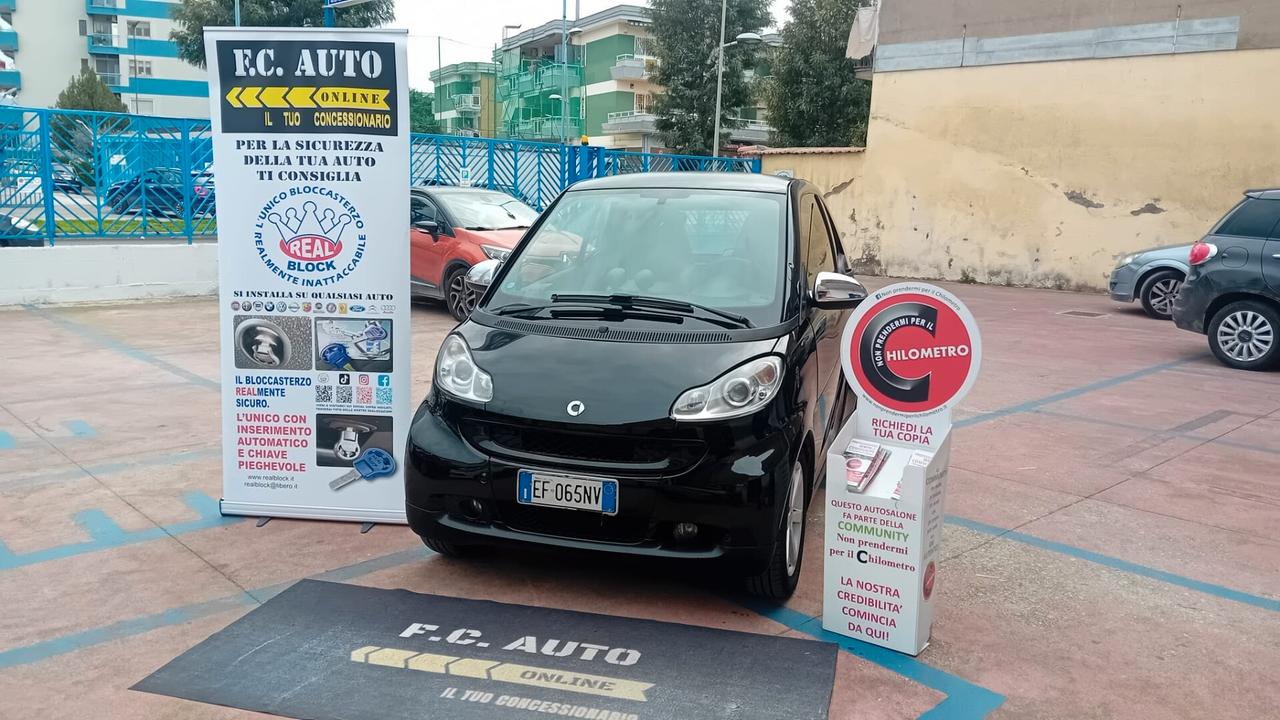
x=911, y=351
x=311, y=159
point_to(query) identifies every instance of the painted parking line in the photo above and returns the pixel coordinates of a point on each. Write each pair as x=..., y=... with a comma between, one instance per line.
x=80, y=428
x=1115, y=563
x=105, y=534
x=964, y=700
x=107, y=468
x=95, y=336
x=1074, y=392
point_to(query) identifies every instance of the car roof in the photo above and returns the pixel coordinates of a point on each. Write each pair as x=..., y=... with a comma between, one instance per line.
x=752, y=182
x=1264, y=193
x=453, y=189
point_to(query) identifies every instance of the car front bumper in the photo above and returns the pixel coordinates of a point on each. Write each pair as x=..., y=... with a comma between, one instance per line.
x=1122, y=284
x=458, y=491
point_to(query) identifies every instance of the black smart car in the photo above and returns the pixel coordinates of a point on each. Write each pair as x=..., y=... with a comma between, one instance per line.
x=1232, y=293
x=654, y=370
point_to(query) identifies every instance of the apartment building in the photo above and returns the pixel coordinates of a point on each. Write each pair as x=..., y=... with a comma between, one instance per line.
x=125, y=41
x=602, y=86
x=465, y=98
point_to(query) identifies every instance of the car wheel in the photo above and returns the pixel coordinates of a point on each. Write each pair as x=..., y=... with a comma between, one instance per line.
x=1246, y=335
x=459, y=298
x=778, y=581
x=1158, y=291
x=444, y=547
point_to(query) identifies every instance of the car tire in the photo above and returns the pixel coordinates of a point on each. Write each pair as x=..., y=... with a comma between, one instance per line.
x=1158, y=291
x=778, y=581
x=459, y=299
x=444, y=547
x=1246, y=335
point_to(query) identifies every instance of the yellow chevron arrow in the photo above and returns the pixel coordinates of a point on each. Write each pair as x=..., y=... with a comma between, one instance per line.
x=358, y=98
x=273, y=97
x=300, y=97
x=249, y=97
x=232, y=100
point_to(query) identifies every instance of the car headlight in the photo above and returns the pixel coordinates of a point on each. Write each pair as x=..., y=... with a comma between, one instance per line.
x=456, y=372
x=741, y=391
x=496, y=253
x=1126, y=260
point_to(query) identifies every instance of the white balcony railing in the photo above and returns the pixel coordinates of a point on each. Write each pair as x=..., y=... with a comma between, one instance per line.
x=629, y=66
x=630, y=121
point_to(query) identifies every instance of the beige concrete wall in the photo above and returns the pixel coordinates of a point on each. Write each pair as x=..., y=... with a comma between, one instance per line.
x=1044, y=174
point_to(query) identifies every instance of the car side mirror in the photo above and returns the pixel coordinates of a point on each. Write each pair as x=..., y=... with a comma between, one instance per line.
x=833, y=291
x=425, y=225
x=480, y=276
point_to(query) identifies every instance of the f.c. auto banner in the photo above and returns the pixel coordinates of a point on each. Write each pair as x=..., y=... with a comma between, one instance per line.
x=911, y=351
x=311, y=159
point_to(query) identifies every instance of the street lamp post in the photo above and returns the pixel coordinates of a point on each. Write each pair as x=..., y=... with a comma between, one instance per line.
x=747, y=39
x=564, y=71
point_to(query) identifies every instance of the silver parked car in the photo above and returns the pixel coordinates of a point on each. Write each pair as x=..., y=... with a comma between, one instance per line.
x=1153, y=277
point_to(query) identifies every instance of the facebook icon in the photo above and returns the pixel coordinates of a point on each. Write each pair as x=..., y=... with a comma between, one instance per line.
x=384, y=381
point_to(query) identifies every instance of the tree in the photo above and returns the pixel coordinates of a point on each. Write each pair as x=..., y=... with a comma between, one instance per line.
x=88, y=92
x=813, y=98
x=686, y=33
x=422, y=117
x=192, y=16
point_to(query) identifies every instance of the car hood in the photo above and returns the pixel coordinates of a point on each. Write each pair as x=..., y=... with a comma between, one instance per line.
x=536, y=376
x=1167, y=252
x=502, y=238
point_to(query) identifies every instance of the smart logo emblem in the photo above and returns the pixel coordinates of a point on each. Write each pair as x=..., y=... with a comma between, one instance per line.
x=911, y=349
x=300, y=234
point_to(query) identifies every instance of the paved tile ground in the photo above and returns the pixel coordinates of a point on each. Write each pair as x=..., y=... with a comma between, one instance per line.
x=1113, y=548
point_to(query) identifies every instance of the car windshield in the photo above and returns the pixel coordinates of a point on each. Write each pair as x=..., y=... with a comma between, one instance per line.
x=482, y=210
x=716, y=248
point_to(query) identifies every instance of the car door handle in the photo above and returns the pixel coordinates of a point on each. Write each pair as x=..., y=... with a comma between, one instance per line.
x=1276, y=256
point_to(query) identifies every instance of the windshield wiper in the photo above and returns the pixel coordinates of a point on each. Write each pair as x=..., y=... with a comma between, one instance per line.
x=527, y=311
x=658, y=303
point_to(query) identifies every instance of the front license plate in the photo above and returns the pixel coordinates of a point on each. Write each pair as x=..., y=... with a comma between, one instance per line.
x=567, y=491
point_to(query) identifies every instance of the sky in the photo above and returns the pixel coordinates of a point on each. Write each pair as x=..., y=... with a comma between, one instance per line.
x=469, y=29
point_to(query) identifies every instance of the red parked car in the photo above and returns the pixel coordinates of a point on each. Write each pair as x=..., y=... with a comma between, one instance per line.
x=453, y=228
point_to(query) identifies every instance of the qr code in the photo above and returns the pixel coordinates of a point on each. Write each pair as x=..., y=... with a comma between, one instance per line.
x=364, y=395
x=324, y=393
x=344, y=394
x=384, y=396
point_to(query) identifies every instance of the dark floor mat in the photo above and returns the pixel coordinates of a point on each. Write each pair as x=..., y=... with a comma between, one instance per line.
x=331, y=651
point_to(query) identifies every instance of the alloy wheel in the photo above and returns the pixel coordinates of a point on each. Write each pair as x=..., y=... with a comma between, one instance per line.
x=1163, y=293
x=462, y=299
x=1245, y=336
x=795, y=518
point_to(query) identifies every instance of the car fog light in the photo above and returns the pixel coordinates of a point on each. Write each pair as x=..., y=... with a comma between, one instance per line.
x=685, y=531
x=472, y=508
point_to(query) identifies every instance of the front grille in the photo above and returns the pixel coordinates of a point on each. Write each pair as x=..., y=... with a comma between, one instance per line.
x=574, y=524
x=667, y=455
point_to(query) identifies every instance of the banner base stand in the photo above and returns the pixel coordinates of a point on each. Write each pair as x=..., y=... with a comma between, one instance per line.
x=306, y=512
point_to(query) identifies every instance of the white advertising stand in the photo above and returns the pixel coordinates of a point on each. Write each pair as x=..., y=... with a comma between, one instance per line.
x=311, y=156
x=911, y=351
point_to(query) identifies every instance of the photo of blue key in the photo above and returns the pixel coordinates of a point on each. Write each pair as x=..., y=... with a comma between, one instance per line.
x=372, y=463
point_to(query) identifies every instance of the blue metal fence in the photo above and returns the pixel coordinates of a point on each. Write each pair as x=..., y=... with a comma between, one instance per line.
x=77, y=174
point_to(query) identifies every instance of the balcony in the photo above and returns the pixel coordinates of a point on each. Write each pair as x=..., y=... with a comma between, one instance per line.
x=630, y=121
x=752, y=131
x=105, y=43
x=8, y=40
x=558, y=75
x=632, y=67
x=112, y=80
x=10, y=79
x=103, y=7
x=467, y=104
